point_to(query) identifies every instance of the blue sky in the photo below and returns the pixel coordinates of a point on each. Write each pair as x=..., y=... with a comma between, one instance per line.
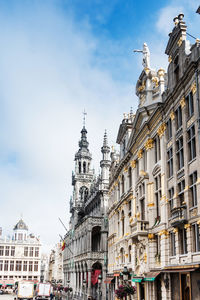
x=57, y=58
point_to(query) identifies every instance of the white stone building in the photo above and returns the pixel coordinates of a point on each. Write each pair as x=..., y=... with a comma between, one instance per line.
x=55, y=266
x=20, y=256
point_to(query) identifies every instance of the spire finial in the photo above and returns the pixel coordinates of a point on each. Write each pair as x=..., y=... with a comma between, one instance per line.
x=105, y=140
x=84, y=115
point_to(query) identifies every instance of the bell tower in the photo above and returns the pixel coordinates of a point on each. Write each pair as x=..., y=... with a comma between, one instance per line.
x=82, y=177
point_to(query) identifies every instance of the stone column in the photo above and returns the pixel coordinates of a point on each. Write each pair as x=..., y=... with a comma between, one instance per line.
x=89, y=283
x=103, y=285
x=89, y=241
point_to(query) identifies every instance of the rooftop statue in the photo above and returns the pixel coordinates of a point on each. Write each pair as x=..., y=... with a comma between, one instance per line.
x=146, y=56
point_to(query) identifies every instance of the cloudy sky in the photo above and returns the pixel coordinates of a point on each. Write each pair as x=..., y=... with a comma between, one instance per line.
x=57, y=58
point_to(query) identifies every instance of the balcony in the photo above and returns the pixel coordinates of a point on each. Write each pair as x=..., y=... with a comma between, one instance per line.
x=178, y=216
x=139, y=228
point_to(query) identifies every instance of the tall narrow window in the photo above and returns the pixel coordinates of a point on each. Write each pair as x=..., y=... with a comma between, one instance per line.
x=190, y=104
x=7, y=251
x=179, y=153
x=25, y=251
x=36, y=266
x=191, y=143
x=196, y=237
x=25, y=266
x=122, y=184
x=6, y=265
x=176, y=69
x=122, y=219
x=129, y=253
x=183, y=241
x=173, y=244
x=157, y=149
x=1, y=250
x=158, y=194
x=1, y=265
x=84, y=167
x=79, y=167
x=36, y=251
x=193, y=189
x=130, y=177
x=31, y=252
x=181, y=187
x=12, y=251
x=12, y=265
x=30, y=268
x=118, y=191
x=171, y=200
x=129, y=208
x=170, y=162
x=169, y=129
x=178, y=117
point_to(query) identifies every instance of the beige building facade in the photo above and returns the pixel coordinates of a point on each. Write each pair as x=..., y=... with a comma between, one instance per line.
x=154, y=208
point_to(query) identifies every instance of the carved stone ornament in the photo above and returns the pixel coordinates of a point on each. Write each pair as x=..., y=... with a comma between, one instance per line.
x=172, y=115
x=133, y=163
x=126, y=169
x=151, y=236
x=180, y=41
x=161, y=72
x=182, y=102
x=140, y=154
x=149, y=144
x=161, y=129
x=194, y=88
x=175, y=230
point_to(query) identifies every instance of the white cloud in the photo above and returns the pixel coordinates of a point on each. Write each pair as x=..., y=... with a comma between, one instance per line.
x=48, y=77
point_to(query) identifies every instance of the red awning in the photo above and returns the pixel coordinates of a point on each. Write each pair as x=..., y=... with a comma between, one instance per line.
x=116, y=274
x=108, y=280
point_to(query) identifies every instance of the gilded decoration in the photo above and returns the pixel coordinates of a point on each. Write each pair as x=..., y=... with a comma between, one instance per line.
x=172, y=115
x=143, y=173
x=182, y=102
x=155, y=80
x=126, y=169
x=140, y=154
x=187, y=226
x=175, y=230
x=169, y=59
x=145, y=257
x=149, y=144
x=194, y=88
x=150, y=204
x=161, y=72
x=163, y=232
x=186, y=188
x=133, y=163
x=180, y=41
x=151, y=236
x=141, y=87
x=147, y=70
x=161, y=129
x=198, y=222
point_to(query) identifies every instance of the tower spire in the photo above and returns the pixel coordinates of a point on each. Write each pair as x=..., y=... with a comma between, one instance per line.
x=84, y=115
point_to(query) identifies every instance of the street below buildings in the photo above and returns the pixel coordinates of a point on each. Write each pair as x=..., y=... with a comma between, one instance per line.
x=7, y=297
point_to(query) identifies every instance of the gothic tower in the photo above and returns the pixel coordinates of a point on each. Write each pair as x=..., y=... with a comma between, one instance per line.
x=81, y=178
x=105, y=163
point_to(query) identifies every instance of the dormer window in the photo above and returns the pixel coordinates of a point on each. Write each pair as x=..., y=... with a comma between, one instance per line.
x=176, y=69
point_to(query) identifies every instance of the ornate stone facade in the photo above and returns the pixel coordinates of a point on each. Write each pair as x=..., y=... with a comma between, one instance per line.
x=154, y=191
x=85, y=254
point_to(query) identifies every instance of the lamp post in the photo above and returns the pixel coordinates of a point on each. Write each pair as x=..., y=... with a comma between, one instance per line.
x=84, y=289
x=125, y=274
x=99, y=286
x=68, y=281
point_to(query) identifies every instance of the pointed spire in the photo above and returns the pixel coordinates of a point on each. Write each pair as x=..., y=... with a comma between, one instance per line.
x=105, y=139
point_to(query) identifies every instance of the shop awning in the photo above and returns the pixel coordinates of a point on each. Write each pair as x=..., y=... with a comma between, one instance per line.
x=108, y=280
x=116, y=274
x=181, y=269
x=151, y=276
x=6, y=282
x=137, y=279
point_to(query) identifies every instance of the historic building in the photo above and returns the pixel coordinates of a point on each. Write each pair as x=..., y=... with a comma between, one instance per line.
x=55, y=265
x=85, y=253
x=154, y=189
x=20, y=256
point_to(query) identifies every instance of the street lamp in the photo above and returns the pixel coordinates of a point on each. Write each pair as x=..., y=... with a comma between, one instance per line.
x=99, y=285
x=68, y=281
x=84, y=289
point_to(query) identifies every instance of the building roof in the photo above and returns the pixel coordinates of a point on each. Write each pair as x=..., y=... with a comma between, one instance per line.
x=20, y=225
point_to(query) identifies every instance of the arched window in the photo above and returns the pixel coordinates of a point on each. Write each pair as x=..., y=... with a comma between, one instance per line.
x=84, y=167
x=130, y=177
x=122, y=218
x=83, y=192
x=79, y=167
x=122, y=184
x=129, y=253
